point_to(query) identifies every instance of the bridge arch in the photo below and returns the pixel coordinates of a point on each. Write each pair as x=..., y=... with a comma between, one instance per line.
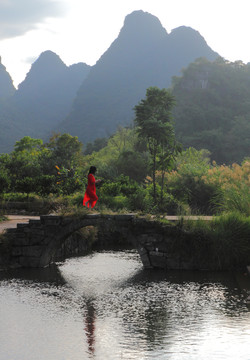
x=36, y=244
x=159, y=245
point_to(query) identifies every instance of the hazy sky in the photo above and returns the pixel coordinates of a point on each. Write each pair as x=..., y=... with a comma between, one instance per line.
x=81, y=31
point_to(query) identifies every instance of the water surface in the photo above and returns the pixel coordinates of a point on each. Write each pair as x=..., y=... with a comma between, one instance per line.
x=106, y=306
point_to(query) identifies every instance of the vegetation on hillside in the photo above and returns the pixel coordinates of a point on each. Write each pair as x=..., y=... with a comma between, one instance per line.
x=213, y=108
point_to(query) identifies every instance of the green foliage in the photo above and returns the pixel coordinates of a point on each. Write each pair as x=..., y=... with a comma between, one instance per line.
x=187, y=183
x=123, y=193
x=4, y=181
x=120, y=156
x=139, y=200
x=153, y=116
x=65, y=150
x=164, y=202
x=46, y=185
x=213, y=108
x=115, y=203
x=225, y=241
x=153, y=121
x=133, y=164
x=24, y=161
x=95, y=146
x=122, y=185
x=232, y=185
x=233, y=200
x=26, y=185
x=194, y=186
x=28, y=144
x=68, y=181
x=31, y=166
x=18, y=197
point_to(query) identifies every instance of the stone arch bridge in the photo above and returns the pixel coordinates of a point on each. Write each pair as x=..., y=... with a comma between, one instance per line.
x=36, y=244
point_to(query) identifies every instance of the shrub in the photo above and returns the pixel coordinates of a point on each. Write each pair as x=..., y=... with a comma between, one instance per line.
x=232, y=185
x=138, y=200
x=224, y=241
x=115, y=203
x=4, y=181
x=187, y=183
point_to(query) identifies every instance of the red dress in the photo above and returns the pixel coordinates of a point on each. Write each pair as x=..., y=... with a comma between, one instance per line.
x=90, y=196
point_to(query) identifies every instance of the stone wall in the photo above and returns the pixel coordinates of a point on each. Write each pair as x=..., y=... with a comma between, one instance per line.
x=44, y=241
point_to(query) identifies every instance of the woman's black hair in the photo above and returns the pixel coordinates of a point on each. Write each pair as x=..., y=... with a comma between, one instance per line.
x=92, y=169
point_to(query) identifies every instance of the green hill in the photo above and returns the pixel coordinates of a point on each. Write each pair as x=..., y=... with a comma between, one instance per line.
x=213, y=108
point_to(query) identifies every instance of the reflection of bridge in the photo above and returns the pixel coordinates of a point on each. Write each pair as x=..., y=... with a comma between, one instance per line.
x=36, y=244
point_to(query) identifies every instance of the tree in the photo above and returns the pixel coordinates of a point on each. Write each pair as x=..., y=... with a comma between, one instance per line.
x=4, y=174
x=28, y=144
x=96, y=145
x=133, y=164
x=66, y=150
x=24, y=162
x=154, y=124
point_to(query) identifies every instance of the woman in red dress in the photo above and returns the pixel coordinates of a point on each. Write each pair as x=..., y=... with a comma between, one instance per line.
x=90, y=197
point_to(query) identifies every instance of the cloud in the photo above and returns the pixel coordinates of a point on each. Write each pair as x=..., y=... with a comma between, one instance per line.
x=19, y=16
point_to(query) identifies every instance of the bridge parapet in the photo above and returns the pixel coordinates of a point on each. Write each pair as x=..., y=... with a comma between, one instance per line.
x=37, y=243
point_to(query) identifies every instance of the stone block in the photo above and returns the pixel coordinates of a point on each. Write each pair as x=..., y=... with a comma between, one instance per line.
x=20, y=240
x=144, y=257
x=37, y=232
x=51, y=220
x=11, y=231
x=173, y=263
x=50, y=230
x=29, y=262
x=33, y=222
x=22, y=225
x=32, y=251
x=17, y=251
x=248, y=269
x=158, y=259
x=95, y=216
x=124, y=217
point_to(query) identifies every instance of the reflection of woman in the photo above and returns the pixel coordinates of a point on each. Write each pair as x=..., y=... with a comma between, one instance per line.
x=90, y=326
x=90, y=197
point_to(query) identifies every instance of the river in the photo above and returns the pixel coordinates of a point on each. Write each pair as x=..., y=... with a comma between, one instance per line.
x=106, y=306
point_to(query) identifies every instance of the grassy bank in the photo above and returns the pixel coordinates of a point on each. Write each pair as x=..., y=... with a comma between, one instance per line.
x=224, y=241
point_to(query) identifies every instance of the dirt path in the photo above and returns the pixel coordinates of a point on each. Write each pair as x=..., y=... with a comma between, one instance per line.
x=13, y=220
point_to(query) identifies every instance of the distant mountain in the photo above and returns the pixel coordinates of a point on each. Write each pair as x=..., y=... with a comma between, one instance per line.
x=42, y=100
x=91, y=102
x=7, y=88
x=143, y=55
x=8, y=127
x=46, y=95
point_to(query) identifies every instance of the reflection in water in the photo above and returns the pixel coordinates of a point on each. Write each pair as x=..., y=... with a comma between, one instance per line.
x=105, y=306
x=90, y=326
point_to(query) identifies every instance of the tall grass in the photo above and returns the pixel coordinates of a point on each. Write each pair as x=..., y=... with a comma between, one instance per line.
x=234, y=199
x=233, y=187
x=224, y=241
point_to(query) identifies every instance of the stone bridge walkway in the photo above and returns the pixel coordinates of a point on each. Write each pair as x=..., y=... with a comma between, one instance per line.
x=13, y=220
